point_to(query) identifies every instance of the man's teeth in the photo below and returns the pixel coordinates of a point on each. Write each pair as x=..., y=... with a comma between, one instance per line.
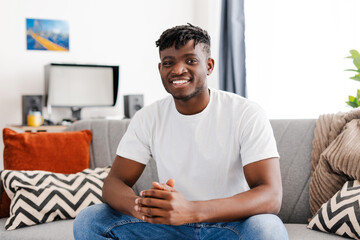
x=180, y=81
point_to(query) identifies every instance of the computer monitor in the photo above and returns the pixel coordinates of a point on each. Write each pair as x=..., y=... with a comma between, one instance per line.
x=77, y=86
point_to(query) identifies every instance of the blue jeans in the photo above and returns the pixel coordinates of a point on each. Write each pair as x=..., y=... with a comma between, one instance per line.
x=102, y=222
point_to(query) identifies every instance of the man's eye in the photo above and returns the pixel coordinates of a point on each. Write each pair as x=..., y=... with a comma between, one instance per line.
x=166, y=64
x=191, y=61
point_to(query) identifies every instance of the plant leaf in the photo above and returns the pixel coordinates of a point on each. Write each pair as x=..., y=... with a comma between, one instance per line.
x=351, y=104
x=352, y=70
x=351, y=98
x=354, y=53
x=356, y=56
x=356, y=78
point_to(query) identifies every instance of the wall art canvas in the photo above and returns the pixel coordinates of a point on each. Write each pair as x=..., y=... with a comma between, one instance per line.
x=45, y=34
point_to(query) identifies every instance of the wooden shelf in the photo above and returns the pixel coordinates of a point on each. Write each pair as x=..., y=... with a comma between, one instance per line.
x=40, y=128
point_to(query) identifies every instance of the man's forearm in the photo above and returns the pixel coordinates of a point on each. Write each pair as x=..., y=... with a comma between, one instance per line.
x=264, y=196
x=119, y=196
x=258, y=200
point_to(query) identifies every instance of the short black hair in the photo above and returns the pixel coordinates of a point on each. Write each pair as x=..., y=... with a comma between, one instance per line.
x=181, y=35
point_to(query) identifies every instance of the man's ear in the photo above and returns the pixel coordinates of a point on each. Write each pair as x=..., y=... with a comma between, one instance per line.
x=210, y=65
x=159, y=66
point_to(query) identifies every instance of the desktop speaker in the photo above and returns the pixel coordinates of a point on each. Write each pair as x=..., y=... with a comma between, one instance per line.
x=30, y=103
x=132, y=104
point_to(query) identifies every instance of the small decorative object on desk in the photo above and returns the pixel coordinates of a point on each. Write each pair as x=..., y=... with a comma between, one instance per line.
x=355, y=101
x=34, y=119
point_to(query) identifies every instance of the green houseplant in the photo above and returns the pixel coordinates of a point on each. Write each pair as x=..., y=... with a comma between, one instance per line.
x=355, y=101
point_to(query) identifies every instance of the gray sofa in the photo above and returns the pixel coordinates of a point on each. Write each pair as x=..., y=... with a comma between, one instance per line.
x=294, y=140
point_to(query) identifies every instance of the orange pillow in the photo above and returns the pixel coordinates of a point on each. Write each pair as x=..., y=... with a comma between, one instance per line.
x=59, y=152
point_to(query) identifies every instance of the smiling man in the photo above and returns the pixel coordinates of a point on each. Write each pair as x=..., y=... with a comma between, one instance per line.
x=215, y=153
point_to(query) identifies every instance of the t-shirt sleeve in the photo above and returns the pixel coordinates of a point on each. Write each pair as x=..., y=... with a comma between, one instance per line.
x=134, y=144
x=257, y=140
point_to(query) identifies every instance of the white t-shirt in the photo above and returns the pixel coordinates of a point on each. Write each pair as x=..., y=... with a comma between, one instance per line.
x=204, y=153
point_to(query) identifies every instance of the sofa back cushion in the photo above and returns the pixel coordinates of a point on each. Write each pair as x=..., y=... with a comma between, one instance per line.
x=106, y=135
x=294, y=141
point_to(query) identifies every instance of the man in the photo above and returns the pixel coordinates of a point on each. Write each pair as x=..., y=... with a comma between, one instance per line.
x=216, y=159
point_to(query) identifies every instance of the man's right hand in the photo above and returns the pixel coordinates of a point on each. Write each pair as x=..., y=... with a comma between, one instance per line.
x=168, y=186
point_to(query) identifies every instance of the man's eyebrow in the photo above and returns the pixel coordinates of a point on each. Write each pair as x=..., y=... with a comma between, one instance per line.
x=185, y=55
x=166, y=58
x=190, y=55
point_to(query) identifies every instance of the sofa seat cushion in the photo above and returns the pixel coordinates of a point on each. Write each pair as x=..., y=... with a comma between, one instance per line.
x=59, y=230
x=301, y=232
x=64, y=230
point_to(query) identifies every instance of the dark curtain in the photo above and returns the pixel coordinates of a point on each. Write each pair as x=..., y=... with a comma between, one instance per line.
x=232, y=47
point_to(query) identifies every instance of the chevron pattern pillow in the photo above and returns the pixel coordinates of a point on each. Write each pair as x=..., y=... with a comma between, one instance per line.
x=39, y=196
x=341, y=214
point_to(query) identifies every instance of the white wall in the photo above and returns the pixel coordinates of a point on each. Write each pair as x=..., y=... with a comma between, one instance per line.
x=296, y=53
x=101, y=32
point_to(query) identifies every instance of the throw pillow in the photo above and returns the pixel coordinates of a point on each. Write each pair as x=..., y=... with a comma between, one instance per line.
x=338, y=163
x=60, y=152
x=341, y=214
x=39, y=196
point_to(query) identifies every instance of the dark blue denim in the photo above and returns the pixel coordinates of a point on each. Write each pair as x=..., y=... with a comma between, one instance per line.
x=102, y=222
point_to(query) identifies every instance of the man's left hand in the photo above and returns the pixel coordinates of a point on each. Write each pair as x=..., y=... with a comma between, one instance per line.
x=164, y=205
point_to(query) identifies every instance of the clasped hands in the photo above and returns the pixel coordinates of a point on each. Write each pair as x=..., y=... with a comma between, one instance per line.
x=162, y=204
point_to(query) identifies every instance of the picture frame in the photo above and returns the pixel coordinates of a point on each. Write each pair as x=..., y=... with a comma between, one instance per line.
x=47, y=35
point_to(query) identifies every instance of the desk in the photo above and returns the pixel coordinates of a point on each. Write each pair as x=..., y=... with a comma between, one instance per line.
x=40, y=128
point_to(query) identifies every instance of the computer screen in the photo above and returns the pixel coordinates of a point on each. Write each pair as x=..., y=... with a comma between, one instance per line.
x=77, y=86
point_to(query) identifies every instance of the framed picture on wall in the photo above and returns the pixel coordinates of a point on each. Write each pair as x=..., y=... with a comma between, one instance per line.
x=45, y=34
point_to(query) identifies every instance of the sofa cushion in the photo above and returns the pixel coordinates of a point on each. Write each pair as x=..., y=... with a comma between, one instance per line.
x=294, y=142
x=58, y=230
x=61, y=152
x=341, y=213
x=40, y=196
x=301, y=232
x=106, y=137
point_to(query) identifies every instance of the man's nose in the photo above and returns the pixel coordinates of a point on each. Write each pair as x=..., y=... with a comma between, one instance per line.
x=179, y=68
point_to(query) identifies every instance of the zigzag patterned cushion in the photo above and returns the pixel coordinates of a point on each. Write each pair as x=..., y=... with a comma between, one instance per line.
x=341, y=214
x=40, y=196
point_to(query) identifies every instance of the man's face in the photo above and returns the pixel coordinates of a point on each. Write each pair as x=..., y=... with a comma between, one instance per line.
x=184, y=71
